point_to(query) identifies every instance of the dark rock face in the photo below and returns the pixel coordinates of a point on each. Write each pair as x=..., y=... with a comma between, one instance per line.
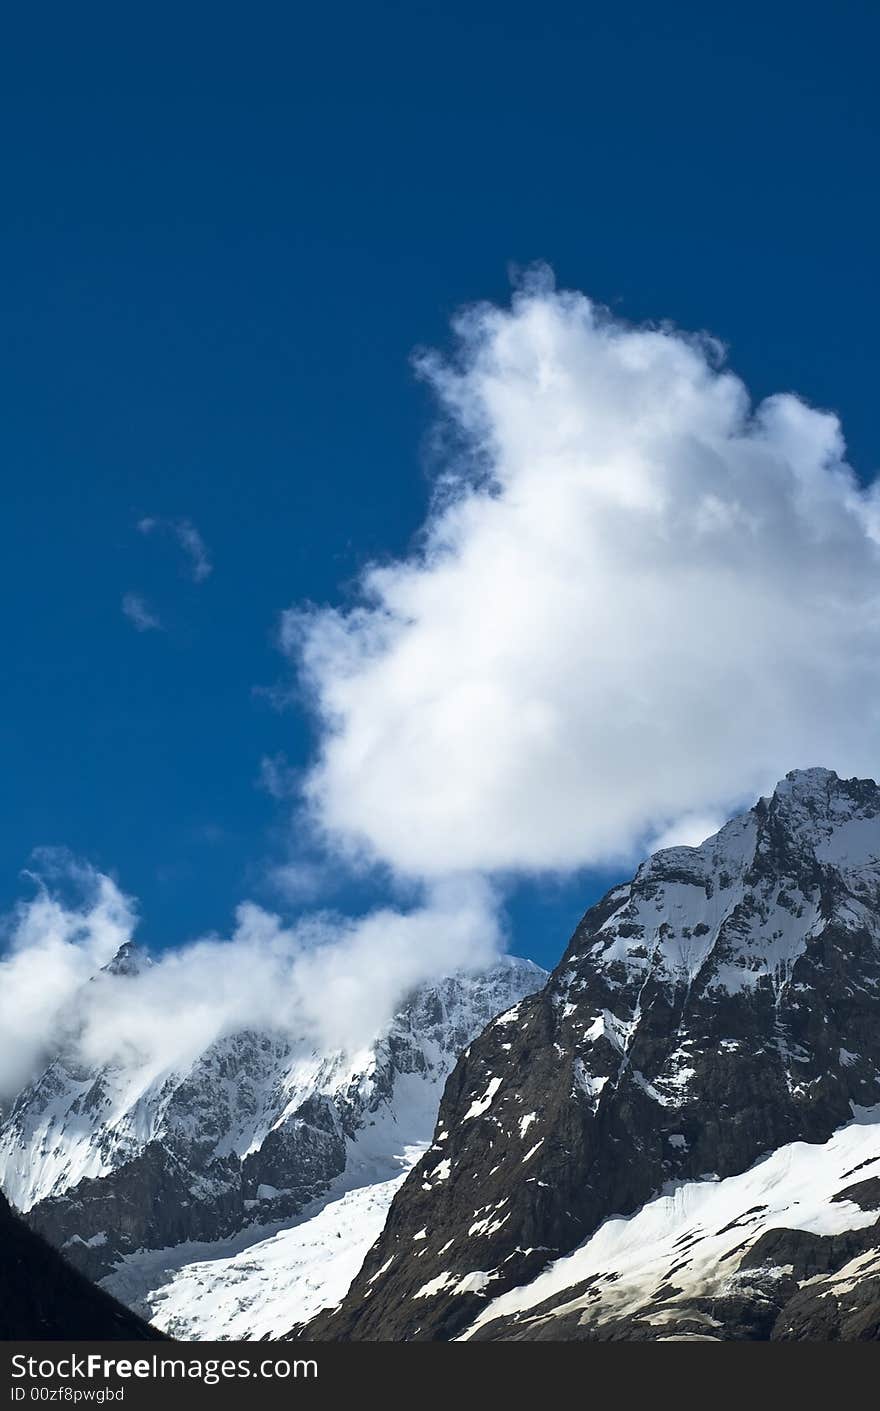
x=182, y=1185
x=253, y=1132
x=146, y=1203
x=41, y=1296
x=724, y=1003
x=312, y=1146
x=835, y=1311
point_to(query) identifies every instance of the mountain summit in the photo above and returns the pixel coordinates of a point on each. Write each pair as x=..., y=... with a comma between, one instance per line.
x=708, y=1019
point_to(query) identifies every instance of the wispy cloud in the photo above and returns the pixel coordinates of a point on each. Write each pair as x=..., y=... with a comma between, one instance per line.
x=189, y=539
x=139, y=614
x=278, y=778
x=53, y=948
x=687, y=832
x=328, y=981
x=298, y=881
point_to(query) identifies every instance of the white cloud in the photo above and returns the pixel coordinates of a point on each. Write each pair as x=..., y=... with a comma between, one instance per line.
x=687, y=832
x=636, y=601
x=636, y=598
x=53, y=950
x=329, y=981
x=141, y=616
x=297, y=880
x=277, y=778
x=189, y=539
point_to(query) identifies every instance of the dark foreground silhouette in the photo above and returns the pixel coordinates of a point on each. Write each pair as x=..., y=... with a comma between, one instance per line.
x=42, y=1296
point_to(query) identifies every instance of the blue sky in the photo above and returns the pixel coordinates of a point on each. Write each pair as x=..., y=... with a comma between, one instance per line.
x=224, y=234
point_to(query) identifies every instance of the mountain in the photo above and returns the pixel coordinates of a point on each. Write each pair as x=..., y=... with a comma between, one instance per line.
x=679, y=1136
x=253, y=1285
x=41, y=1296
x=789, y=1249
x=178, y=1185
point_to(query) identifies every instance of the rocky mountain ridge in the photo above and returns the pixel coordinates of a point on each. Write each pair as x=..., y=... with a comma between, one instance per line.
x=721, y=1007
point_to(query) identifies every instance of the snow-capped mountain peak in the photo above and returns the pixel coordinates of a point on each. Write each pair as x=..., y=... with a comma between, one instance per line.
x=722, y=1004
x=255, y=1130
x=130, y=959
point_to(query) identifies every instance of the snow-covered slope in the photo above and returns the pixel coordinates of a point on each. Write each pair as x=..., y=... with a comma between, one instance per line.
x=255, y=1283
x=678, y=1267
x=136, y=1174
x=721, y=1005
x=198, y=1293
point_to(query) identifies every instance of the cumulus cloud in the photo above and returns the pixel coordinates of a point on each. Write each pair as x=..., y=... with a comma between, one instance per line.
x=637, y=601
x=637, y=598
x=139, y=614
x=189, y=539
x=328, y=982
